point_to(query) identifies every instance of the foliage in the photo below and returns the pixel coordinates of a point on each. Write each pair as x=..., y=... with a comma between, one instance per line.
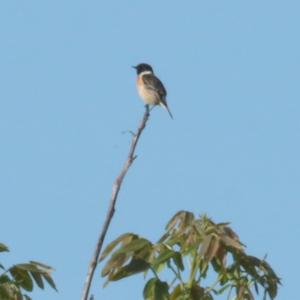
x=210, y=249
x=21, y=278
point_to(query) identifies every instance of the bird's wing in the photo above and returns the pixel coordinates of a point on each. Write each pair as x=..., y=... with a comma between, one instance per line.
x=153, y=83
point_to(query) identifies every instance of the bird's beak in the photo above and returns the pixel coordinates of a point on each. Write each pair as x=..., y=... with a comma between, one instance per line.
x=134, y=67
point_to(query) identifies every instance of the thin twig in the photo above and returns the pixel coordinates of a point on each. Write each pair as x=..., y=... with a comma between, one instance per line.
x=115, y=191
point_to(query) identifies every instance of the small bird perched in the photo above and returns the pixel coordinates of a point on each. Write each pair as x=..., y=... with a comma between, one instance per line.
x=150, y=88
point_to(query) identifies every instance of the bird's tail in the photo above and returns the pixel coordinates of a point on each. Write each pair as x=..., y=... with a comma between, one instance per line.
x=165, y=106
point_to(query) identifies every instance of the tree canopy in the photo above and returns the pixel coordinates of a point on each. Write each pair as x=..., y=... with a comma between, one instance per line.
x=193, y=250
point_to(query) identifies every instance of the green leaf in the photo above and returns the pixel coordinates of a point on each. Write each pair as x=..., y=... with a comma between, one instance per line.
x=134, y=245
x=197, y=292
x=22, y=278
x=3, y=248
x=135, y=266
x=177, y=258
x=148, y=289
x=6, y=291
x=38, y=279
x=181, y=219
x=213, y=248
x=174, y=220
x=163, y=257
x=203, y=267
x=28, y=267
x=37, y=270
x=124, y=239
x=233, y=243
x=161, y=290
x=156, y=290
x=49, y=279
x=115, y=262
x=138, y=247
x=42, y=266
x=205, y=246
x=4, y=278
x=177, y=292
x=256, y=287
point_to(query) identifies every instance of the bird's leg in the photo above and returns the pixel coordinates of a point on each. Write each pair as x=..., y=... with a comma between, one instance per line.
x=147, y=108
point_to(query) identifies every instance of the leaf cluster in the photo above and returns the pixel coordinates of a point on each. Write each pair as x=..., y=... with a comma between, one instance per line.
x=191, y=248
x=21, y=278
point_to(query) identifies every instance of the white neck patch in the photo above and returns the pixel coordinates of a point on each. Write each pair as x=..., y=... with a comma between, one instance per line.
x=145, y=72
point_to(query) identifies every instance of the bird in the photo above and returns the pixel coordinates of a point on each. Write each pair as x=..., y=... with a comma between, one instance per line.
x=150, y=88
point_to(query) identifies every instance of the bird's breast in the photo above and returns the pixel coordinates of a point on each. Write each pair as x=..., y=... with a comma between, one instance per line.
x=148, y=96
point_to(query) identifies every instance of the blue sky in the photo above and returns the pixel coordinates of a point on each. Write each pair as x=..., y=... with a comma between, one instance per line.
x=68, y=97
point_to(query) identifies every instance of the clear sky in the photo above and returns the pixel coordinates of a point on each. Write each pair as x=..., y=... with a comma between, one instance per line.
x=68, y=99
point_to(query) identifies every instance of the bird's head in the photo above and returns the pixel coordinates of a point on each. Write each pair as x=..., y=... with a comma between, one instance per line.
x=140, y=68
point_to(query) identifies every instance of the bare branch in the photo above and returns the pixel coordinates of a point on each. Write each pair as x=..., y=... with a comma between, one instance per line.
x=115, y=191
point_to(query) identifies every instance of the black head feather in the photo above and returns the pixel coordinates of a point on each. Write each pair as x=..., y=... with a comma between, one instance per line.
x=142, y=68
